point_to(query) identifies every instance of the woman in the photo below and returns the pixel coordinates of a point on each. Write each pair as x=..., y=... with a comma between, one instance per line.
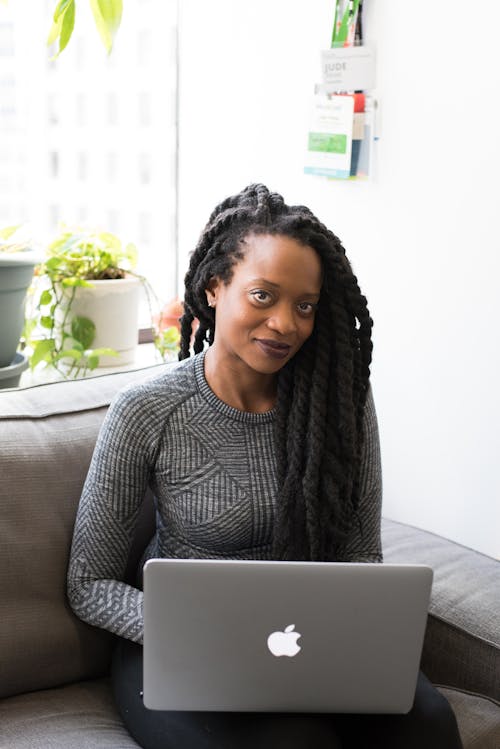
x=263, y=445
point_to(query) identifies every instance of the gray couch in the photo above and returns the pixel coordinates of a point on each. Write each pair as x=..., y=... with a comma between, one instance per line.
x=54, y=684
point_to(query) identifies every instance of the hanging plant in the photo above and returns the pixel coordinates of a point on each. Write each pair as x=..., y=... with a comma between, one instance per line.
x=107, y=16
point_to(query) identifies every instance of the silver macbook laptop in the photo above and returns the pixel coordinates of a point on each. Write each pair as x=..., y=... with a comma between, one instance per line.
x=283, y=636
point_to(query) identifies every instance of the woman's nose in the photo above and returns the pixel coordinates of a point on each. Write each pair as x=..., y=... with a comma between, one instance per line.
x=282, y=320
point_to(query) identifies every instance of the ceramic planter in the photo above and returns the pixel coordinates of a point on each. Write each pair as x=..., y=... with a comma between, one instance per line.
x=113, y=307
x=16, y=272
x=10, y=375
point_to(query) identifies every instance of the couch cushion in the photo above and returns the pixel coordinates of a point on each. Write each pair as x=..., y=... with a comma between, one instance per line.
x=47, y=435
x=478, y=719
x=462, y=643
x=83, y=716
x=80, y=716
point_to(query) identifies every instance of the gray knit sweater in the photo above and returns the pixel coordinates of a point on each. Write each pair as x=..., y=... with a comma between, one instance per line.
x=212, y=471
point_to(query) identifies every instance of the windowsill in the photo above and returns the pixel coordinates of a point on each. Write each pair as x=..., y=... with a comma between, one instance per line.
x=145, y=355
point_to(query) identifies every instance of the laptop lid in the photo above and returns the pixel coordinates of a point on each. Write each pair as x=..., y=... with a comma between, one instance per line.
x=283, y=636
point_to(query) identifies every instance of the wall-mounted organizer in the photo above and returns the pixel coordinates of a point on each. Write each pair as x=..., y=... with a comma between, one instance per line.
x=342, y=122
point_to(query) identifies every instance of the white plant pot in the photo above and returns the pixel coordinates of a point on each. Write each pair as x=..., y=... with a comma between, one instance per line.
x=113, y=307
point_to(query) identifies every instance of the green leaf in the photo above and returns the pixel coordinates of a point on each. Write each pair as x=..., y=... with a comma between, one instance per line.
x=92, y=362
x=131, y=254
x=51, y=264
x=110, y=240
x=61, y=8
x=62, y=24
x=73, y=281
x=28, y=328
x=171, y=335
x=68, y=24
x=45, y=297
x=8, y=231
x=167, y=341
x=54, y=32
x=46, y=322
x=74, y=344
x=42, y=351
x=107, y=16
x=69, y=353
x=83, y=331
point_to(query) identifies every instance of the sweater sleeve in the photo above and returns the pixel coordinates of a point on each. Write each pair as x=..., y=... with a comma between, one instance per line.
x=109, y=506
x=365, y=544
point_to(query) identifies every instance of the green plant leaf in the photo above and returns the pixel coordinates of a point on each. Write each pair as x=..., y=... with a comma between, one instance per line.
x=83, y=331
x=67, y=26
x=62, y=25
x=69, y=282
x=61, y=8
x=28, y=328
x=167, y=341
x=42, y=351
x=107, y=16
x=86, y=255
x=69, y=353
x=72, y=344
x=171, y=335
x=110, y=240
x=131, y=254
x=8, y=231
x=54, y=32
x=51, y=264
x=46, y=322
x=45, y=298
x=92, y=361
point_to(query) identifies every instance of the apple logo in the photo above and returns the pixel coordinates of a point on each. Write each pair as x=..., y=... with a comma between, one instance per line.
x=284, y=643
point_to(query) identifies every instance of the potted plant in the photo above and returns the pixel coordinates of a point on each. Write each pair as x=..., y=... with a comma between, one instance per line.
x=83, y=312
x=17, y=263
x=84, y=309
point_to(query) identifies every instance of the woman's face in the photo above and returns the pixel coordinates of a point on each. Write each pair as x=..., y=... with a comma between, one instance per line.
x=266, y=311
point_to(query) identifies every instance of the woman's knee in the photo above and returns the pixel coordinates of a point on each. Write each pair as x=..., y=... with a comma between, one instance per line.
x=435, y=717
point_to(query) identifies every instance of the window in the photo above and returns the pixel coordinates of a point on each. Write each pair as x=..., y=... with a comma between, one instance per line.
x=82, y=168
x=81, y=121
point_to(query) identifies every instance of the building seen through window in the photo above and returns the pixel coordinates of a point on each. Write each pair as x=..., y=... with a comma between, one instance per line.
x=91, y=138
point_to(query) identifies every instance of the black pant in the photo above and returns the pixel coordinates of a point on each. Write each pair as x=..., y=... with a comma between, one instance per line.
x=430, y=724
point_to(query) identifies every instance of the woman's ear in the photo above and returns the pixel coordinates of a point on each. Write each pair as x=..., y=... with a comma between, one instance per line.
x=211, y=291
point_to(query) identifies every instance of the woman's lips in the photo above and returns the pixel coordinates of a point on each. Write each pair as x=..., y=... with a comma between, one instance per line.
x=273, y=349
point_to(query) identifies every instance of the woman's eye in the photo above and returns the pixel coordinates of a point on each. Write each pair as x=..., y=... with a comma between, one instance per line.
x=261, y=296
x=307, y=308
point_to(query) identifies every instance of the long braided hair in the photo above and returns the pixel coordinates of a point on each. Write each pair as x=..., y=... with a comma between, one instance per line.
x=321, y=391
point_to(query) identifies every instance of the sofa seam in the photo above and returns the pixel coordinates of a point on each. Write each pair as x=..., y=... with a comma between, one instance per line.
x=468, y=692
x=466, y=631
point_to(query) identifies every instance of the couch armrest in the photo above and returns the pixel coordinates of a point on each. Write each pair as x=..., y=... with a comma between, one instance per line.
x=462, y=642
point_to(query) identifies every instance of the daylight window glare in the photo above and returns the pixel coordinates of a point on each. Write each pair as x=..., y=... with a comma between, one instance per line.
x=88, y=137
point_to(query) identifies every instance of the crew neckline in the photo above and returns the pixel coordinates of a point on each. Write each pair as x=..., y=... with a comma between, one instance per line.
x=219, y=405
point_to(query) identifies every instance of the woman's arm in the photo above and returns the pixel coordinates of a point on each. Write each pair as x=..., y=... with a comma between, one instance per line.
x=112, y=496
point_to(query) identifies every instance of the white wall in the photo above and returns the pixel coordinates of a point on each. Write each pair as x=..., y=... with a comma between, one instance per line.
x=422, y=235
